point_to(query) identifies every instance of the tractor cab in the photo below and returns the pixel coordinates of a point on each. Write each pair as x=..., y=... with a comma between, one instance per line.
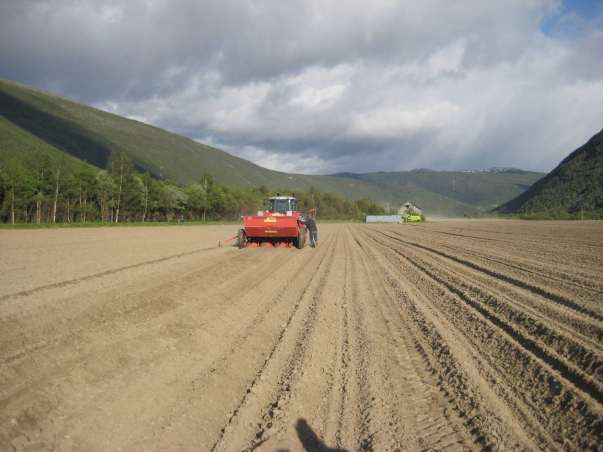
x=284, y=205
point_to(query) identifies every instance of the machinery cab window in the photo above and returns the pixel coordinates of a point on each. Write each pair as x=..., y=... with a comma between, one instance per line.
x=282, y=204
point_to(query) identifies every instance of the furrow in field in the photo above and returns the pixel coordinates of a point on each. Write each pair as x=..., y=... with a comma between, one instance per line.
x=592, y=311
x=69, y=282
x=558, y=247
x=367, y=433
x=444, y=336
x=561, y=343
x=90, y=308
x=119, y=346
x=507, y=259
x=460, y=371
x=553, y=389
x=240, y=367
x=534, y=266
x=511, y=325
x=510, y=237
x=557, y=250
x=347, y=422
x=266, y=400
x=579, y=327
x=414, y=414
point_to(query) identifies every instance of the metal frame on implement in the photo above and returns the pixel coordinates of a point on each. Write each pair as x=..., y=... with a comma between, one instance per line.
x=279, y=227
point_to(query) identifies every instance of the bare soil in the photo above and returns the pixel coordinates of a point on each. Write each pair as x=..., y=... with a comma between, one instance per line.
x=452, y=335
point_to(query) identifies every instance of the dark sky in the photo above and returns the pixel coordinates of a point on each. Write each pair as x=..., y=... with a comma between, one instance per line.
x=322, y=86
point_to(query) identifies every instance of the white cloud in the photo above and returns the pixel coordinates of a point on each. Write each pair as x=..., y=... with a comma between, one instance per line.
x=313, y=86
x=399, y=122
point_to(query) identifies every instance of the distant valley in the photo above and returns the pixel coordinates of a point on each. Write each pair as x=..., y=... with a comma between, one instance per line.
x=32, y=120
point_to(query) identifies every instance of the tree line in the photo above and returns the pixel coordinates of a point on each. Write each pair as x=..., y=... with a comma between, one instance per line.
x=43, y=190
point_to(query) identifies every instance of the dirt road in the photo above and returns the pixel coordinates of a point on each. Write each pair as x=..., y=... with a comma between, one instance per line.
x=444, y=336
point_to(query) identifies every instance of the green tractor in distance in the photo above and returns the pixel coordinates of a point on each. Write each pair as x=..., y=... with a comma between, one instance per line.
x=413, y=219
x=411, y=213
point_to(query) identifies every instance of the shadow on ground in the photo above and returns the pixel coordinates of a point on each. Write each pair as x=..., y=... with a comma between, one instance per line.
x=310, y=440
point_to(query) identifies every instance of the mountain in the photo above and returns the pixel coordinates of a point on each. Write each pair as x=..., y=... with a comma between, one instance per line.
x=452, y=192
x=91, y=135
x=575, y=185
x=34, y=123
x=16, y=143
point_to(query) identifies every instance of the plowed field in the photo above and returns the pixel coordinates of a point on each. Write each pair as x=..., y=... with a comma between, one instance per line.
x=448, y=335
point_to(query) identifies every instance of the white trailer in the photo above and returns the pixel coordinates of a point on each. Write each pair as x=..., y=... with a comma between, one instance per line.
x=383, y=218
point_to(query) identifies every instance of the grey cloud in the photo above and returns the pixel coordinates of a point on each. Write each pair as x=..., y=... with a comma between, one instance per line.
x=129, y=45
x=369, y=86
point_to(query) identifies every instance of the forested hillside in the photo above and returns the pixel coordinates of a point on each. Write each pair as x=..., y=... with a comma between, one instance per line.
x=92, y=135
x=37, y=128
x=574, y=187
x=50, y=187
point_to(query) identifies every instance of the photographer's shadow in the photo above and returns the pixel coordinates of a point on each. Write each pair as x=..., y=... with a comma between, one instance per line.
x=310, y=440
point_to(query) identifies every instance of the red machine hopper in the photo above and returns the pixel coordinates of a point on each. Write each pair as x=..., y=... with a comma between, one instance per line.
x=281, y=226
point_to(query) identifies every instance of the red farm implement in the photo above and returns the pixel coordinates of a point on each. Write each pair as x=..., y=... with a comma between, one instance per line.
x=280, y=226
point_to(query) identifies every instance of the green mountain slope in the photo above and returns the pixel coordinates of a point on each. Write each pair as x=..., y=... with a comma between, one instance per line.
x=452, y=192
x=575, y=185
x=35, y=123
x=90, y=135
x=18, y=144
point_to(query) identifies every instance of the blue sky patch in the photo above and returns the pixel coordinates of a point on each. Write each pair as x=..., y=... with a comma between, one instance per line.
x=572, y=18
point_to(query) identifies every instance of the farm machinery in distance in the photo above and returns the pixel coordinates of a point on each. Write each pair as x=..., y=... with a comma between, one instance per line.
x=281, y=226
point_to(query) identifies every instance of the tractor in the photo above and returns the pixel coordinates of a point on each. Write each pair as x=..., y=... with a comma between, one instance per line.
x=281, y=226
x=412, y=218
x=411, y=213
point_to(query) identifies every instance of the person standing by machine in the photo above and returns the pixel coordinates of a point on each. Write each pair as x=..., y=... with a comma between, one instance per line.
x=310, y=222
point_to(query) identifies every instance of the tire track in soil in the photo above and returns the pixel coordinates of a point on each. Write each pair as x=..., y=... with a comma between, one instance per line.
x=305, y=361
x=557, y=394
x=561, y=351
x=343, y=375
x=382, y=338
x=112, y=271
x=293, y=363
x=462, y=376
x=422, y=418
x=542, y=318
x=119, y=303
x=554, y=297
x=559, y=278
x=149, y=306
x=360, y=399
x=569, y=332
x=568, y=278
x=244, y=347
x=331, y=414
x=328, y=392
x=184, y=288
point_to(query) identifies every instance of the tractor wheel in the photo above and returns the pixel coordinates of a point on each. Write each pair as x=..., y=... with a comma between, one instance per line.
x=241, y=238
x=301, y=239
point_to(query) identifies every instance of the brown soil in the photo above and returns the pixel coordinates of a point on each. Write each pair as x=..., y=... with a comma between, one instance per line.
x=449, y=335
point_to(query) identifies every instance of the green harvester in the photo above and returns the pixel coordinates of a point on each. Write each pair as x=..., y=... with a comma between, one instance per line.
x=413, y=219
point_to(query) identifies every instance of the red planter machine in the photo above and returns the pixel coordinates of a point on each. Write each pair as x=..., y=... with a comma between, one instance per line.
x=280, y=226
